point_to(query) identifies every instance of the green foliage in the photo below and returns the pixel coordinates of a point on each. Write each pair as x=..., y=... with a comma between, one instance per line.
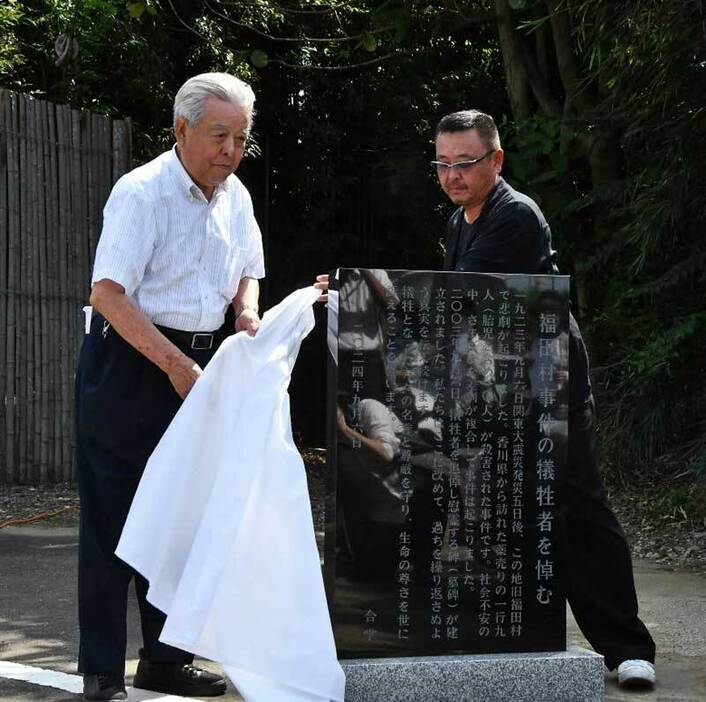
x=347, y=98
x=651, y=334
x=10, y=51
x=137, y=9
x=534, y=161
x=666, y=348
x=108, y=49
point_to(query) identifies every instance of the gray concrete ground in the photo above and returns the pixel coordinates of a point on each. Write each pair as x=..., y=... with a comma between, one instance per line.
x=38, y=619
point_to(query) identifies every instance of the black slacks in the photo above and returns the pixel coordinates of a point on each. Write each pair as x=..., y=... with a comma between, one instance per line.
x=598, y=565
x=124, y=403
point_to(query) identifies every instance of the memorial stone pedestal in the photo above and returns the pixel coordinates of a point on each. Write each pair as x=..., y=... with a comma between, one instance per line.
x=447, y=429
x=574, y=675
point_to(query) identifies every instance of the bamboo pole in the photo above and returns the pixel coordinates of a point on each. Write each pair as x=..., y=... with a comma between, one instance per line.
x=96, y=195
x=63, y=130
x=77, y=217
x=37, y=267
x=106, y=171
x=47, y=296
x=107, y=179
x=60, y=233
x=13, y=253
x=95, y=218
x=89, y=170
x=30, y=291
x=34, y=306
x=87, y=186
x=118, y=141
x=52, y=325
x=128, y=154
x=4, y=295
x=76, y=234
x=23, y=345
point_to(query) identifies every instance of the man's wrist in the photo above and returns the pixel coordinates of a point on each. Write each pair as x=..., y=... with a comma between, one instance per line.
x=243, y=307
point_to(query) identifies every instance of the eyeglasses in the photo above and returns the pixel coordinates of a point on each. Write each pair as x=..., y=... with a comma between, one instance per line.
x=443, y=168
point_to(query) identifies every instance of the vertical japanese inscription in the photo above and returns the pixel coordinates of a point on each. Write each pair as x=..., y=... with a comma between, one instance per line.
x=446, y=516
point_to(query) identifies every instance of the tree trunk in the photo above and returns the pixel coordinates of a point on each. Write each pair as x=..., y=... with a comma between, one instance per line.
x=526, y=73
x=516, y=77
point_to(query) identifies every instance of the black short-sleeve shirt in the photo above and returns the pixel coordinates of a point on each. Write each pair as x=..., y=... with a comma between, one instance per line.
x=511, y=235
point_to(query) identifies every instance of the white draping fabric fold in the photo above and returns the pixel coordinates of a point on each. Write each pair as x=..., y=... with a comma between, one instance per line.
x=221, y=523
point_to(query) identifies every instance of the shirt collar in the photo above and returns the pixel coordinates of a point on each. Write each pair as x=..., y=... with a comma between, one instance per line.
x=186, y=183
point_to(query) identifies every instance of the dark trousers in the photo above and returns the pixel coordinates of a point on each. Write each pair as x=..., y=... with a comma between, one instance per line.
x=124, y=403
x=600, y=584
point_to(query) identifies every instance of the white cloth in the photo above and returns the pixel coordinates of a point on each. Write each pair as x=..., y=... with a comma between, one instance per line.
x=179, y=256
x=221, y=524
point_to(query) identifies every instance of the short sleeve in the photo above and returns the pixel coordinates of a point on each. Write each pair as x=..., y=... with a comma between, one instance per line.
x=255, y=264
x=127, y=239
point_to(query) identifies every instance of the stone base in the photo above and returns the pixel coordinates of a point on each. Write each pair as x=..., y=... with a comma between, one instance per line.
x=565, y=676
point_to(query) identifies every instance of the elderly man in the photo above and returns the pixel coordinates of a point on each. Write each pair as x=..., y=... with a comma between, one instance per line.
x=179, y=245
x=496, y=229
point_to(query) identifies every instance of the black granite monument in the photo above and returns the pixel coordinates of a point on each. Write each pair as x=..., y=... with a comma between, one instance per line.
x=447, y=409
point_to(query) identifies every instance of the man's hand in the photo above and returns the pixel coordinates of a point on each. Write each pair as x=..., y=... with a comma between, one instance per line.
x=248, y=321
x=183, y=373
x=322, y=284
x=109, y=298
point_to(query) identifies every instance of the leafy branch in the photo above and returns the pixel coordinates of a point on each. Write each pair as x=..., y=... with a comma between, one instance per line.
x=301, y=39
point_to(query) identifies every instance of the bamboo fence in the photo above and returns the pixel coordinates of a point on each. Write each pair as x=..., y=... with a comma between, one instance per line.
x=57, y=166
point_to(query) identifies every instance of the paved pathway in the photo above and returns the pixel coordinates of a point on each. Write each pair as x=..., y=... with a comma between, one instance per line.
x=38, y=624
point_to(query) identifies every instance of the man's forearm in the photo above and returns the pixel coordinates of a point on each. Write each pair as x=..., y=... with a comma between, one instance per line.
x=127, y=319
x=247, y=297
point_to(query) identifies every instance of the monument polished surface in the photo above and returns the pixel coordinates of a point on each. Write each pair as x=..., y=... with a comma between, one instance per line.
x=447, y=409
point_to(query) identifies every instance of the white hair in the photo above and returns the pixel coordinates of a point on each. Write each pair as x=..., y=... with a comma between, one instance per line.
x=190, y=100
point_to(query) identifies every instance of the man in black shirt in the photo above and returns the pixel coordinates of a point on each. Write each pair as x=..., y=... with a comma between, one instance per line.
x=499, y=230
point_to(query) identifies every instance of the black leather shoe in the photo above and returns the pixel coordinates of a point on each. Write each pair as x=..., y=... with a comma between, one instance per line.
x=178, y=679
x=107, y=687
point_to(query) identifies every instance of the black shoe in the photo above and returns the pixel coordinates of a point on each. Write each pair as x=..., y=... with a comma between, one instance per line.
x=108, y=687
x=178, y=679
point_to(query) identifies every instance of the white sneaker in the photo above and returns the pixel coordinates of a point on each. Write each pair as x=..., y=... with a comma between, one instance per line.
x=636, y=673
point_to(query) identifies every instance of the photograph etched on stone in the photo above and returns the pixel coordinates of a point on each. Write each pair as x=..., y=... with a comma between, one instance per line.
x=447, y=427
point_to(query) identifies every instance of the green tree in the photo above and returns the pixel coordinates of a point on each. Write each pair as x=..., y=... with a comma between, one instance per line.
x=601, y=109
x=609, y=97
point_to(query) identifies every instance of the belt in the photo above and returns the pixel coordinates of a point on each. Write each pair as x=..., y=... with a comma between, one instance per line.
x=198, y=341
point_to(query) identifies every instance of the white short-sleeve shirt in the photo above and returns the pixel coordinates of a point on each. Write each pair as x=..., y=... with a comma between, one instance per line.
x=179, y=256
